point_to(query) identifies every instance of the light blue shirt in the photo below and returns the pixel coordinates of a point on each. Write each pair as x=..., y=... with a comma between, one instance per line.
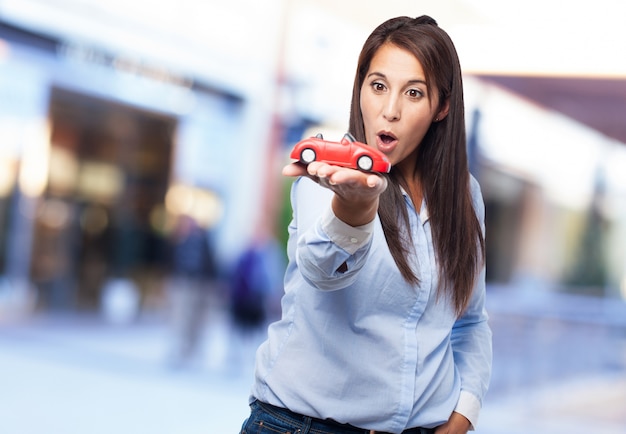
x=364, y=346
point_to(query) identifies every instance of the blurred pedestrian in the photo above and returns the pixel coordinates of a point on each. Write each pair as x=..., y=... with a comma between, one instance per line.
x=383, y=321
x=193, y=273
x=255, y=288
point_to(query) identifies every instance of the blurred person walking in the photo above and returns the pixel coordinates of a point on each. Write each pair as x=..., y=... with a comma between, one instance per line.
x=255, y=289
x=193, y=274
x=383, y=325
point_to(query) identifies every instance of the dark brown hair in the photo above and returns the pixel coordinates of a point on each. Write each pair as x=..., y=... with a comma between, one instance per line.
x=441, y=165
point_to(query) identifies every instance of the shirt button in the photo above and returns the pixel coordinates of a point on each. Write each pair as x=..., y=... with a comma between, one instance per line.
x=354, y=240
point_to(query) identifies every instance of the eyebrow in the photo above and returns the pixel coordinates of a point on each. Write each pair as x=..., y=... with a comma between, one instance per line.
x=381, y=75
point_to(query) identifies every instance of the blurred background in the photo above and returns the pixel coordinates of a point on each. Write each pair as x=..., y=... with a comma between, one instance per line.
x=143, y=215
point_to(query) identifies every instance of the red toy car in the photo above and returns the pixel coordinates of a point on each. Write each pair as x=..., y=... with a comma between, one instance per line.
x=347, y=153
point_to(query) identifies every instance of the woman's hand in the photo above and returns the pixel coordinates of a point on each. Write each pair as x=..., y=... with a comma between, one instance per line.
x=457, y=424
x=356, y=192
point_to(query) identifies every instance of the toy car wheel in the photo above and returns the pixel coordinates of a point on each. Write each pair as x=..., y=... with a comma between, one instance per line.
x=307, y=155
x=365, y=162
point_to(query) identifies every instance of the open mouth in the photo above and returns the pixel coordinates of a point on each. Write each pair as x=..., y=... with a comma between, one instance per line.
x=386, y=142
x=386, y=138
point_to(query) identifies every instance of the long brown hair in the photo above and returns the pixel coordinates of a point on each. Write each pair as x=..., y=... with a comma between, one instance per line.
x=441, y=165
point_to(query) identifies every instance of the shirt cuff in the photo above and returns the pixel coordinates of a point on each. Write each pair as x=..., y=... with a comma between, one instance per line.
x=349, y=238
x=469, y=406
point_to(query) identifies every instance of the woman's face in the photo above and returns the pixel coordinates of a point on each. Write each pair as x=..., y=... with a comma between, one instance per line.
x=397, y=106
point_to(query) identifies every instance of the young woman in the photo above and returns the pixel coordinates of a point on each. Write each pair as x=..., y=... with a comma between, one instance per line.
x=383, y=326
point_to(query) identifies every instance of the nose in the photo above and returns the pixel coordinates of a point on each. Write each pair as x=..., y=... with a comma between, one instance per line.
x=391, y=109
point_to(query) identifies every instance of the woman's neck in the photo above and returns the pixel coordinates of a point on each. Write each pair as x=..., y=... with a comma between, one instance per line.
x=413, y=187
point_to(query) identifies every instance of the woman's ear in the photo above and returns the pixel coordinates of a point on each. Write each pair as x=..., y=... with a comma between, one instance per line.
x=443, y=112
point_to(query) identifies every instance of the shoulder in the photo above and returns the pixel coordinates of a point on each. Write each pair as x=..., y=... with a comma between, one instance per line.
x=309, y=200
x=308, y=191
x=474, y=187
x=477, y=197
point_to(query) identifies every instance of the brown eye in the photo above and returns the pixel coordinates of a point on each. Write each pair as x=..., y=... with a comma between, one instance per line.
x=414, y=93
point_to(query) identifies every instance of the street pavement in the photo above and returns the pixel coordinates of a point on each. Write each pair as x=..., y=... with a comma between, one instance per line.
x=559, y=367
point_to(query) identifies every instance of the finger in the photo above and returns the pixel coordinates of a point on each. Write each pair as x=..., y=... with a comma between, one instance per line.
x=357, y=177
x=294, y=169
x=376, y=181
x=341, y=175
x=318, y=169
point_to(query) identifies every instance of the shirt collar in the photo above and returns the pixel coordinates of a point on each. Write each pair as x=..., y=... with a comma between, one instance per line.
x=423, y=212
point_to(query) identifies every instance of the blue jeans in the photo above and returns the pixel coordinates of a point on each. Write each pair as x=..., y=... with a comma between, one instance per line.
x=267, y=419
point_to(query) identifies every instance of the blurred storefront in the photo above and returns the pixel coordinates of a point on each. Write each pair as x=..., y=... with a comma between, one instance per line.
x=554, y=193
x=101, y=149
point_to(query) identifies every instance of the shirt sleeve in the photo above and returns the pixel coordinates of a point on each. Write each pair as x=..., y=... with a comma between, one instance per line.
x=329, y=253
x=472, y=340
x=469, y=406
x=349, y=238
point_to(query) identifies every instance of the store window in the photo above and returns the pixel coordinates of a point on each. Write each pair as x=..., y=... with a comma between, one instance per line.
x=109, y=170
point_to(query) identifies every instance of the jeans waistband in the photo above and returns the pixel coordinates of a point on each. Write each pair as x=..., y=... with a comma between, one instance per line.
x=329, y=424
